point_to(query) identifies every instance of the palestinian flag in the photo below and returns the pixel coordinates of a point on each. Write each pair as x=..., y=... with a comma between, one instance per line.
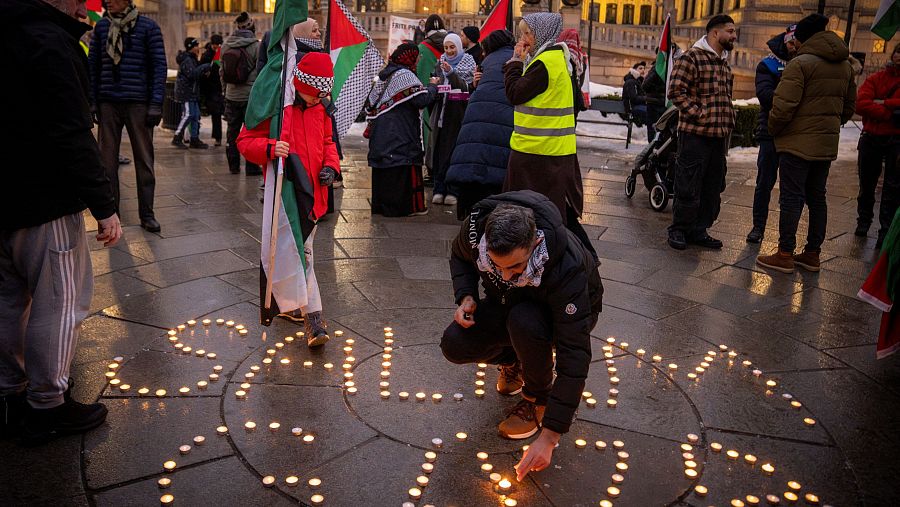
x=94, y=10
x=887, y=19
x=288, y=216
x=356, y=64
x=663, y=66
x=501, y=17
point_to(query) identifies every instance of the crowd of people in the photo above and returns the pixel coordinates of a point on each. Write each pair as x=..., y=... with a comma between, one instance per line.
x=491, y=119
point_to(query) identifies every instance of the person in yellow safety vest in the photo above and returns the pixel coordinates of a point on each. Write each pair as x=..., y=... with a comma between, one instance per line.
x=540, y=86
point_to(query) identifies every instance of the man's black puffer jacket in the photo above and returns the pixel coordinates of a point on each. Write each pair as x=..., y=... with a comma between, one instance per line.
x=570, y=287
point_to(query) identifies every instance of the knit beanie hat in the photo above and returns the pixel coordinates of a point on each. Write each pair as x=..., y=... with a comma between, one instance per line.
x=314, y=75
x=407, y=55
x=809, y=26
x=790, y=33
x=245, y=22
x=472, y=33
x=190, y=43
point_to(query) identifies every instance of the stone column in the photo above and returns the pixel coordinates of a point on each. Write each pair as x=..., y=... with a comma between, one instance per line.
x=172, y=17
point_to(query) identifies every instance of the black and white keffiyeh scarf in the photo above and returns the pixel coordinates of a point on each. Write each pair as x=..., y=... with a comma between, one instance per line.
x=465, y=69
x=399, y=87
x=533, y=272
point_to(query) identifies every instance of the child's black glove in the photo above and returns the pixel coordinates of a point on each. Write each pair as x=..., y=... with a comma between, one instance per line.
x=326, y=176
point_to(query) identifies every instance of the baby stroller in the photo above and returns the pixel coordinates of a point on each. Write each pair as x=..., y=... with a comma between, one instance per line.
x=656, y=162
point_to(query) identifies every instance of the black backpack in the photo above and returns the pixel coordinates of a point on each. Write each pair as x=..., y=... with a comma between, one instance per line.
x=237, y=65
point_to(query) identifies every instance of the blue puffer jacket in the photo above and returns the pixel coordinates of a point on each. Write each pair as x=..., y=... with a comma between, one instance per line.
x=140, y=75
x=768, y=75
x=482, y=148
x=190, y=70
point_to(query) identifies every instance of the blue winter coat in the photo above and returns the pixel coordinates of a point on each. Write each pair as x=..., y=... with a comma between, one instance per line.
x=140, y=75
x=768, y=74
x=482, y=148
x=190, y=70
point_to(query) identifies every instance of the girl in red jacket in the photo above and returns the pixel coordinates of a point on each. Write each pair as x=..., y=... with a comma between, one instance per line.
x=878, y=102
x=307, y=133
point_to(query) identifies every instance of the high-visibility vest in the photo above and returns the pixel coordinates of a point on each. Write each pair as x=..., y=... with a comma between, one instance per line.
x=545, y=125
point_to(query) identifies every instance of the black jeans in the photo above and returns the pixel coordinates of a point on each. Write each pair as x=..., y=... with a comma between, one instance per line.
x=875, y=152
x=501, y=334
x=766, y=176
x=234, y=115
x=133, y=117
x=802, y=181
x=699, y=181
x=216, y=126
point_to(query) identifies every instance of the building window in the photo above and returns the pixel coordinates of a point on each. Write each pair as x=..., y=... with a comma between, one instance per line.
x=628, y=14
x=693, y=9
x=611, y=11
x=646, y=12
x=878, y=46
x=737, y=4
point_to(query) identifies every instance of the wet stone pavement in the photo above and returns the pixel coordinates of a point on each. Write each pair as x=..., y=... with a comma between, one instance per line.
x=712, y=383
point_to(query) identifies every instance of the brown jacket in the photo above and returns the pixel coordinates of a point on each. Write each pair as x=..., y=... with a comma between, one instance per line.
x=816, y=95
x=701, y=87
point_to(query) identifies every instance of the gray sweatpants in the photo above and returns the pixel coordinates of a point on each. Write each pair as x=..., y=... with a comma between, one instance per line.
x=45, y=292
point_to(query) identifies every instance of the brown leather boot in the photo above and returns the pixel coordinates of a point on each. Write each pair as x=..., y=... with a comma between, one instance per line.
x=779, y=261
x=808, y=260
x=523, y=421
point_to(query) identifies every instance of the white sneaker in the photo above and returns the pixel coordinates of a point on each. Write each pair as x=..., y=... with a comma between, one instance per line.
x=418, y=213
x=450, y=200
x=437, y=199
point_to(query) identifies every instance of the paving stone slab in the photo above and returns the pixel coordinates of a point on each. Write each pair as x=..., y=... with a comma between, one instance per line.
x=359, y=248
x=108, y=260
x=624, y=272
x=27, y=473
x=731, y=299
x=335, y=429
x=728, y=479
x=219, y=482
x=754, y=282
x=642, y=301
x=141, y=434
x=862, y=358
x=102, y=338
x=343, y=298
x=116, y=288
x=355, y=270
x=425, y=268
x=182, y=269
x=391, y=294
x=170, y=371
x=170, y=248
x=410, y=326
x=174, y=305
x=639, y=332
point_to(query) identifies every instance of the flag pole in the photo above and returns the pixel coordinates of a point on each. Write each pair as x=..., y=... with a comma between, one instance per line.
x=279, y=177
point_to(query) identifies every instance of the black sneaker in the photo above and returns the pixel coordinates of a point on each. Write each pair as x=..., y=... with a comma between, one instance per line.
x=676, y=240
x=316, y=330
x=197, y=144
x=178, y=142
x=43, y=425
x=755, y=236
x=706, y=241
x=13, y=408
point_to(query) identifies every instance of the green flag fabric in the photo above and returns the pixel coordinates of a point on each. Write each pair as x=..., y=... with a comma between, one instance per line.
x=887, y=19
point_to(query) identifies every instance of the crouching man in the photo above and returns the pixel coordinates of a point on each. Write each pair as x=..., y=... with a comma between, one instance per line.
x=543, y=292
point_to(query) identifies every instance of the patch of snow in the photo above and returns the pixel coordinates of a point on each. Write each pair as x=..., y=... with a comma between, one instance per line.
x=357, y=129
x=600, y=90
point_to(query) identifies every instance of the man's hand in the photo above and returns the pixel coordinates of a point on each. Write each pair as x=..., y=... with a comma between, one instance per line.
x=476, y=78
x=521, y=50
x=109, y=230
x=154, y=115
x=282, y=149
x=465, y=313
x=538, y=455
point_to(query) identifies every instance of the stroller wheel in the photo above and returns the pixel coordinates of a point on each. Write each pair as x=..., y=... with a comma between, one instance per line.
x=659, y=197
x=630, y=184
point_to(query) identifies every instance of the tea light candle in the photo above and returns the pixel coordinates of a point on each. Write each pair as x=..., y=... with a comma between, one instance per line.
x=110, y=375
x=773, y=499
x=510, y=502
x=692, y=438
x=479, y=383
x=328, y=366
x=611, y=403
x=206, y=322
x=291, y=480
x=591, y=402
x=736, y=503
x=701, y=490
x=732, y=354
x=437, y=397
x=143, y=391
x=692, y=376
x=715, y=446
x=314, y=483
x=243, y=332
x=600, y=445
x=613, y=492
x=657, y=359
x=249, y=425
x=184, y=449
x=296, y=431
x=249, y=375
x=690, y=473
x=168, y=466
x=351, y=391
x=415, y=493
x=746, y=364
x=771, y=383
x=580, y=443
x=422, y=481
x=289, y=339
x=184, y=390
x=611, y=340
x=229, y=323
x=166, y=499
x=268, y=481
x=430, y=456
x=458, y=396
x=317, y=499
x=307, y=364
x=612, y=371
x=348, y=375
x=479, y=393
x=504, y=485
x=752, y=500
x=622, y=455
x=246, y=387
x=427, y=468
x=757, y=373
x=186, y=350
x=160, y=393
x=687, y=447
x=687, y=456
x=732, y=454
x=403, y=395
x=274, y=426
x=420, y=396
x=164, y=483
x=239, y=327
x=690, y=464
x=811, y=498
x=480, y=374
x=199, y=440
x=622, y=467
x=437, y=442
x=481, y=455
x=385, y=374
x=348, y=350
x=790, y=496
x=222, y=430
x=285, y=361
x=613, y=393
x=796, y=486
x=749, y=458
x=202, y=385
x=641, y=352
x=192, y=323
x=673, y=366
x=487, y=467
x=614, y=381
x=768, y=468
x=385, y=395
x=115, y=382
x=461, y=436
x=308, y=439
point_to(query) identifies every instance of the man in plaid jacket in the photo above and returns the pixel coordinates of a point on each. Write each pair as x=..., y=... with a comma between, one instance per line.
x=701, y=87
